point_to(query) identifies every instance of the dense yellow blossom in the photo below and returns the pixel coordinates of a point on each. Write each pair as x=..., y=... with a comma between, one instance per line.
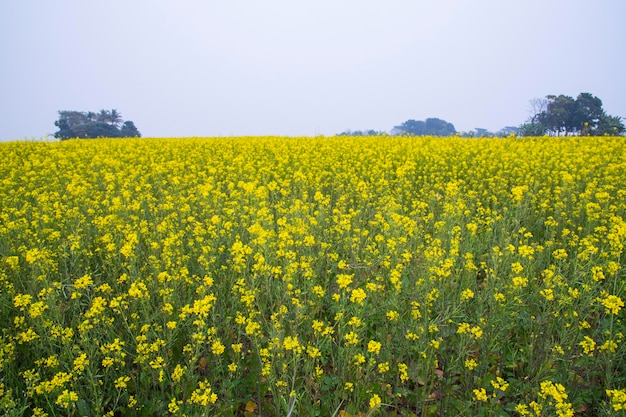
x=480, y=394
x=612, y=304
x=313, y=276
x=618, y=399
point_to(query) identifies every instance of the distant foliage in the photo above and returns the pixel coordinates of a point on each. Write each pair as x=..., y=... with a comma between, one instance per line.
x=564, y=115
x=431, y=126
x=105, y=123
x=370, y=132
x=478, y=132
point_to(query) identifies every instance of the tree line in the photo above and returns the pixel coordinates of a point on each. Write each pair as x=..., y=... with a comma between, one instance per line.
x=431, y=126
x=553, y=115
x=105, y=123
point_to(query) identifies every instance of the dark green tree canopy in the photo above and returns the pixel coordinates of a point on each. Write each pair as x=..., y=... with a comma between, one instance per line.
x=564, y=115
x=129, y=130
x=105, y=123
x=431, y=126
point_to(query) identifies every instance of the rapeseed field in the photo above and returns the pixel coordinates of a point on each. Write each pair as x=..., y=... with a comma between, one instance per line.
x=384, y=276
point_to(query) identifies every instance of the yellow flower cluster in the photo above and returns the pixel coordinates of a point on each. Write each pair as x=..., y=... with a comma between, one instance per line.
x=618, y=399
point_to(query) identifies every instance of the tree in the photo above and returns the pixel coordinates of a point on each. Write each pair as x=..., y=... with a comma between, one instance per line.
x=129, y=130
x=560, y=115
x=554, y=114
x=112, y=117
x=537, y=106
x=105, y=123
x=609, y=125
x=482, y=132
x=431, y=126
x=508, y=131
x=588, y=112
x=532, y=129
x=96, y=130
x=565, y=115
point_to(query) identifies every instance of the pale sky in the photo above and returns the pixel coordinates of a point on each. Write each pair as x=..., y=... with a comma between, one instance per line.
x=288, y=67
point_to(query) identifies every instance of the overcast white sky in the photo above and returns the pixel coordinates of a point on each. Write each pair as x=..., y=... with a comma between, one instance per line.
x=289, y=67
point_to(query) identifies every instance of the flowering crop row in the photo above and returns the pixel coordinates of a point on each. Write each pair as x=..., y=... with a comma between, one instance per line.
x=313, y=276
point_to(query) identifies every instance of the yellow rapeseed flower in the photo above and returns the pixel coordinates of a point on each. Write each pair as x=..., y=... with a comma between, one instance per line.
x=612, y=303
x=480, y=394
x=374, y=347
x=375, y=401
x=66, y=398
